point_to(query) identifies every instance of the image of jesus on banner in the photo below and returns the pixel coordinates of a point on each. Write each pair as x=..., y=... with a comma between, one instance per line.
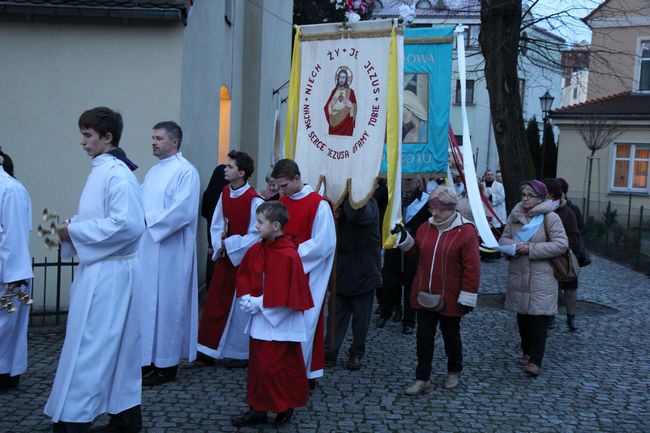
x=341, y=106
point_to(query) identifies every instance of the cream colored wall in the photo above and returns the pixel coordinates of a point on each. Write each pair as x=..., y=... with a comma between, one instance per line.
x=573, y=159
x=275, y=67
x=267, y=63
x=615, y=29
x=612, y=64
x=52, y=71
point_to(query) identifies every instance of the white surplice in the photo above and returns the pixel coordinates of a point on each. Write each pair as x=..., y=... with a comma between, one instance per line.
x=317, y=255
x=99, y=369
x=15, y=265
x=167, y=254
x=234, y=341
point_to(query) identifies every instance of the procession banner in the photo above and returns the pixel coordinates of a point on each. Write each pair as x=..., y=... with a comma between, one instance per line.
x=342, y=78
x=426, y=98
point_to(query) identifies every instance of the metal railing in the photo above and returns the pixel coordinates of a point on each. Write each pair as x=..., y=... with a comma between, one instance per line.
x=619, y=231
x=41, y=293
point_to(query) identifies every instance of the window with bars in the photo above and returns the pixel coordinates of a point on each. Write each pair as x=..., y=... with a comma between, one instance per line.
x=630, y=167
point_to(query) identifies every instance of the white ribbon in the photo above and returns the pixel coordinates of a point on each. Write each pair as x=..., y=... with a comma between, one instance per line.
x=478, y=211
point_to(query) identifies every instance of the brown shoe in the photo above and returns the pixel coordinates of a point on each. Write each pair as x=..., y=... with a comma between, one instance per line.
x=524, y=360
x=354, y=363
x=452, y=381
x=533, y=369
x=419, y=387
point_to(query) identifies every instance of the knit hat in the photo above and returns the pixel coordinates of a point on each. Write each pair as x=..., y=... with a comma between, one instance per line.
x=537, y=186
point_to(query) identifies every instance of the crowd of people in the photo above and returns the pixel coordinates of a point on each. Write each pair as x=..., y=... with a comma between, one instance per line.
x=134, y=309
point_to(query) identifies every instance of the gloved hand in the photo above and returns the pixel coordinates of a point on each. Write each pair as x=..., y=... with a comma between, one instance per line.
x=464, y=309
x=255, y=304
x=244, y=302
x=403, y=234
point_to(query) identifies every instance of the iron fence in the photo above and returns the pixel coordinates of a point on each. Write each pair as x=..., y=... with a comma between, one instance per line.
x=619, y=231
x=45, y=310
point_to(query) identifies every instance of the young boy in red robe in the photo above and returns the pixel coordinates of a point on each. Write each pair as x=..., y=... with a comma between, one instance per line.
x=274, y=289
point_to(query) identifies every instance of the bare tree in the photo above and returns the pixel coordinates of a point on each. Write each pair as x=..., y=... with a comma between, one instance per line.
x=597, y=133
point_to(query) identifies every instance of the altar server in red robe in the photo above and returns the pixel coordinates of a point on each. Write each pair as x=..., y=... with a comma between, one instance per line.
x=221, y=329
x=272, y=287
x=312, y=224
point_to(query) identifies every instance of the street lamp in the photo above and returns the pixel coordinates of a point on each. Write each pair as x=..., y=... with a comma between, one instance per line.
x=546, y=101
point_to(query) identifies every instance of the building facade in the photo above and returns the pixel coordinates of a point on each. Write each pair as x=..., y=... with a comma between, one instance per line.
x=618, y=96
x=211, y=65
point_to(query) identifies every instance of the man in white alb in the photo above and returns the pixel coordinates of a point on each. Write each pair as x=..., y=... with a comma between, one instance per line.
x=167, y=254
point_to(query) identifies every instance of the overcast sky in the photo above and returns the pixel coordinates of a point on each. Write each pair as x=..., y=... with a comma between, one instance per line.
x=567, y=24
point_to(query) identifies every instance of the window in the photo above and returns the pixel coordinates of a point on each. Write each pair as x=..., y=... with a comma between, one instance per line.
x=471, y=36
x=630, y=171
x=644, y=69
x=469, y=88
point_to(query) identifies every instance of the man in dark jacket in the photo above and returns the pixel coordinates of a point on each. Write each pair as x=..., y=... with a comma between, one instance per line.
x=358, y=275
x=399, y=270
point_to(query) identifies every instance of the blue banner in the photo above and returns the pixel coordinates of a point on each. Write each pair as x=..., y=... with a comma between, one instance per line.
x=426, y=100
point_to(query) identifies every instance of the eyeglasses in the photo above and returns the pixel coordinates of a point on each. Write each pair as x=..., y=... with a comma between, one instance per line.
x=525, y=196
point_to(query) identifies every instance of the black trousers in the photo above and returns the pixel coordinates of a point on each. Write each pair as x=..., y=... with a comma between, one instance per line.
x=359, y=308
x=397, y=290
x=426, y=333
x=532, y=330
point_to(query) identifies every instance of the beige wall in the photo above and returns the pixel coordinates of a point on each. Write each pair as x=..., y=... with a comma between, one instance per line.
x=573, y=160
x=52, y=71
x=612, y=64
x=615, y=31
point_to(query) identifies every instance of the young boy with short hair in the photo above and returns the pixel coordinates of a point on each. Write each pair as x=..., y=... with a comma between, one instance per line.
x=232, y=231
x=274, y=289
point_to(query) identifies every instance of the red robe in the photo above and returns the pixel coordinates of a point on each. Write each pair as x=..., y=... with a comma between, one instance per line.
x=222, y=286
x=277, y=378
x=301, y=219
x=346, y=125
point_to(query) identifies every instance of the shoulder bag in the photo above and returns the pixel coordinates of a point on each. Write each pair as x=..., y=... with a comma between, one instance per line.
x=565, y=266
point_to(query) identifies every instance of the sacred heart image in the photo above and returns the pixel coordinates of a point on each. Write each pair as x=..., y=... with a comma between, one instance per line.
x=341, y=106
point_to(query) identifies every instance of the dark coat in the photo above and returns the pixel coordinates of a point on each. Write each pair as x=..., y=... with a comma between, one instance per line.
x=572, y=229
x=394, y=259
x=358, y=249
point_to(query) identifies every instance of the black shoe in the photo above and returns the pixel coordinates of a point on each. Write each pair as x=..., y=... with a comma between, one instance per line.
x=354, y=363
x=283, y=418
x=157, y=377
x=70, y=427
x=571, y=322
x=127, y=421
x=330, y=360
x=8, y=382
x=407, y=329
x=205, y=359
x=235, y=363
x=312, y=384
x=251, y=417
x=381, y=322
x=397, y=316
x=147, y=369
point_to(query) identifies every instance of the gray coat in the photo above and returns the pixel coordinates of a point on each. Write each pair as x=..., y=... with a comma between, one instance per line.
x=532, y=287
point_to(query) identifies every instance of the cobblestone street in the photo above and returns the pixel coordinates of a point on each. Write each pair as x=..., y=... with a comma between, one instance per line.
x=593, y=380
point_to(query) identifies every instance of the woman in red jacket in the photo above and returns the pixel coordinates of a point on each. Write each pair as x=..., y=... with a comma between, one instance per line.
x=445, y=286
